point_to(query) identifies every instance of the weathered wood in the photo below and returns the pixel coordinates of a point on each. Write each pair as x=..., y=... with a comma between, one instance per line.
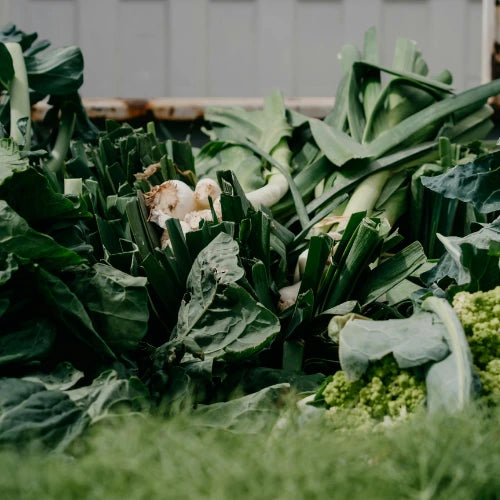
x=183, y=108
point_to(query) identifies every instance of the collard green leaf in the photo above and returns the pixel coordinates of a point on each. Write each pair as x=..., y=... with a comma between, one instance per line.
x=219, y=315
x=28, y=411
x=476, y=182
x=450, y=382
x=63, y=377
x=65, y=307
x=6, y=66
x=468, y=260
x=18, y=238
x=55, y=71
x=117, y=304
x=32, y=340
x=30, y=194
x=108, y=392
x=8, y=266
x=261, y=377
x=250, y=414
x=413, y=342
x=11, y=161
x=9, y=33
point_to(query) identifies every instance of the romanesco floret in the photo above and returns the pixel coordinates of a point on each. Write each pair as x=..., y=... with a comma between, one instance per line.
x=479, y=314
x=342, y=393
x=490, y=380
x=384, y=390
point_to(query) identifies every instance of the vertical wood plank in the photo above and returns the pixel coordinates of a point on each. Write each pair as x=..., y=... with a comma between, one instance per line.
x=141, y=48
x=275, y=46
x=55, y=20
x=98, y=41
x=187, y=48
x=404, y=18
x=319, y=35
x=5, y=12
x=472, y=35
x=448, y=17
x=359, y=16
x=232, y=48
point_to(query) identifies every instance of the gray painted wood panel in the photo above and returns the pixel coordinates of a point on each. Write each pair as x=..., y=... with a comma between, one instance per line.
x=229, y=48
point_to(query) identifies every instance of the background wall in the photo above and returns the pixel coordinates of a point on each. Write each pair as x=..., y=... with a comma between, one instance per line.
x=228, y=48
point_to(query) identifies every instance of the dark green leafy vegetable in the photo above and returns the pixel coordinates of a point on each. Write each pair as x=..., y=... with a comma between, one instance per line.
x=218, y=314
x=470, y=260
x=413, y=342
x=476, y=182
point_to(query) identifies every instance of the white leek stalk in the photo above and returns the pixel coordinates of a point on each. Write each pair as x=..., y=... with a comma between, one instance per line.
x=19, y=96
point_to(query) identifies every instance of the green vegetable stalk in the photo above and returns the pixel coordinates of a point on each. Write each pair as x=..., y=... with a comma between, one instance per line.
x=19, y=97
x=64, y=134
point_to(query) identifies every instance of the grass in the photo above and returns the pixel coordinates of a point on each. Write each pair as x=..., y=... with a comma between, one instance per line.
x=440, y=457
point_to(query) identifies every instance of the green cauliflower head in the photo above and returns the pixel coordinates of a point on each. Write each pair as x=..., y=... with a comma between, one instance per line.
x=384, y=390
x=479, y=314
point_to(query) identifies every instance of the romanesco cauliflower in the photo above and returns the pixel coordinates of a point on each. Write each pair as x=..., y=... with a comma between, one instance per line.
x=490, y=380
x=479, y=314
x=385, y=390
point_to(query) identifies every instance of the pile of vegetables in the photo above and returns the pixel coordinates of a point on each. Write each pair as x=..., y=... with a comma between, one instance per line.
x=287, y=254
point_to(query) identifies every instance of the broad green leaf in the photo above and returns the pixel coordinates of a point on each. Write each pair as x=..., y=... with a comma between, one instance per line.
x=30, y=341
x=9, y=33
x=117, y=304
x=219, y=315
x=8, y=266
x=31, y=195
x=63, y=377
x=336, y=145
x=477, y=182
x=450, y=383
x=67, y=309
x=30, y=412
x=412, y=341
x=19, y=239
x=250, y=414
x=11, y=161
x=261, y=377
x=55, y=71
x=6, y=66
x=107, y=393
x=467, y=259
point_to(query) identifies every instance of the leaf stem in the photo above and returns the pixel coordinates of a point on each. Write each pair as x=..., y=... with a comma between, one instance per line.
x=19, y=96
